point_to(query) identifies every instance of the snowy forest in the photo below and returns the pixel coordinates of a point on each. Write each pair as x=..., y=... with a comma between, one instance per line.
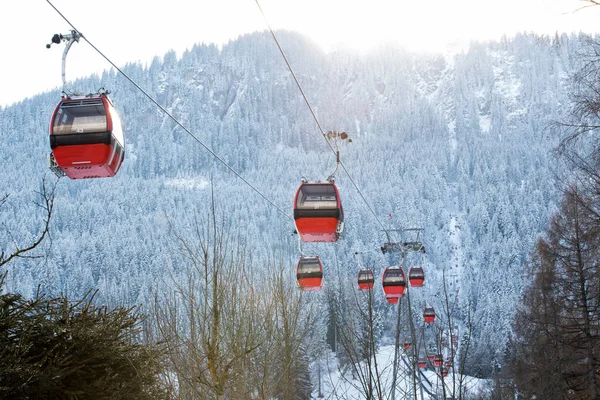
x=464, y=145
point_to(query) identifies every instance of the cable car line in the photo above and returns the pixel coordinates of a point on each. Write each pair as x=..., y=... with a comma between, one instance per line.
x=316, y=119
x=170, y=115
x=309, y=270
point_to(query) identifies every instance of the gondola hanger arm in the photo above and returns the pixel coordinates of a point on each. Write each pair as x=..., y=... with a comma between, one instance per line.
x=69, y=38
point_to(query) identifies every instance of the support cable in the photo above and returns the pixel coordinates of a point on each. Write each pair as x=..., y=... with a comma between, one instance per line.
x=315, y=117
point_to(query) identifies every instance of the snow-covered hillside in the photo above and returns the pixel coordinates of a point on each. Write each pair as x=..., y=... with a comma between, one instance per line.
x=456, y=144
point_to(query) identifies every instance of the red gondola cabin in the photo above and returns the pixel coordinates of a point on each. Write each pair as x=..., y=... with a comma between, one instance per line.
x=393, y=281
x=429, y=314
x=309, y=273
x=318, y=212
x=366, y=279
x=422, y=363
x=392, y=299
x=86, y=137
x=416, y=276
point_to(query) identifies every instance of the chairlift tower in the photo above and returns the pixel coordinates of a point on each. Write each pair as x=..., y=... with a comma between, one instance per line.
x=415, y=245
x=404, y=247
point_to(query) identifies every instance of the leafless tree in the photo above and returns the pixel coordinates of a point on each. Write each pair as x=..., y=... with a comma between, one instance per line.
x=23, y=250
x=589, y=3
x=231, y=332
x=355, y=324
x=210, y=321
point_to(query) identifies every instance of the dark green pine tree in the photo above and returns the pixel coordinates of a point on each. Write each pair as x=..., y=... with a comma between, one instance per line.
x=53, y=348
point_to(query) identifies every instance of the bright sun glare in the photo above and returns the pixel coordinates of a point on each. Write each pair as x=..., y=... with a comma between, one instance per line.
x=429, y=26
x=362, y=25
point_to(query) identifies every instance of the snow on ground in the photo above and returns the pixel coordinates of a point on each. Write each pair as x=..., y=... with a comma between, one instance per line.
x=188, y=183
x=453, y=140
x=485, y=123
x=342, y=382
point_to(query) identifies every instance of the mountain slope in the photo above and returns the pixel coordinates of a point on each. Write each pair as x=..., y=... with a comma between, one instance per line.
x=456, y=144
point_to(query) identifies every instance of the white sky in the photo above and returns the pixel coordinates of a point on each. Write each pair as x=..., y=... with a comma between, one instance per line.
x=132, y=30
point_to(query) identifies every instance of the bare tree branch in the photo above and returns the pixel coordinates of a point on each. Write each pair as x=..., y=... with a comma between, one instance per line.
x=47, y=205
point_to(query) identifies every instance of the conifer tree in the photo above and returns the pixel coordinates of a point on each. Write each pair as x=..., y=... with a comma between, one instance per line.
x=53, y=348
x=558, y=326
